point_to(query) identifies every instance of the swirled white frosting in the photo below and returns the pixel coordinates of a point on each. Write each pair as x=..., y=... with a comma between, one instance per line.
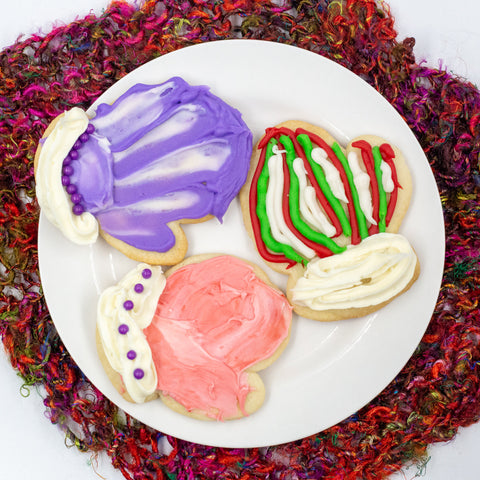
x=52, y=197
x=111, y=314
x=370, y=273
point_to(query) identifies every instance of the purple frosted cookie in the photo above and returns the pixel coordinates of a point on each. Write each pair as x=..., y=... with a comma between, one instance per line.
x=159, y=156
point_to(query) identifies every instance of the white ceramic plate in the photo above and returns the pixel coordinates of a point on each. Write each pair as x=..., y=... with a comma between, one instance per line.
x=328, y=371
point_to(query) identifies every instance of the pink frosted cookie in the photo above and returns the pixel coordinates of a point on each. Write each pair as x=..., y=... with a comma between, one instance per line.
x=195, y=337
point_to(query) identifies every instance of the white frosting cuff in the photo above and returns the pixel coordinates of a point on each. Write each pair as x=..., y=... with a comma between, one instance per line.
x=364, y=275
x=121, y=329
x=52, y=197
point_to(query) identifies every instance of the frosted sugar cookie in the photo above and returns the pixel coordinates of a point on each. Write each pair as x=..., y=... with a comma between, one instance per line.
x=328, y=217
x=159, y=156
x=195, y=337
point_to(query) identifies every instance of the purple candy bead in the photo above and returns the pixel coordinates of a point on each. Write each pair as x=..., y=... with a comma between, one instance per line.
x=138, y=373
x=138, y=288
x=77, y=209
x=84, y=137
x=66, y=161
x=77, y=145
x=76, y=198
x=73, y=154
x=128, y=305
x=123, y=329
x=71, y=188
x=90, y=128
x=147, y=273
x=65, y=180
x=67, y=170
x=131, y=354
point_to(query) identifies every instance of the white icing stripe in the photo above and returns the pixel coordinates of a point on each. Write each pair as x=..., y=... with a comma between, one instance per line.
x=51, y=195
x=111, y=314
x=309, y=208
x=387, y=180
x=276, y=150
x=370, y=273
x=274, y=196
x=332, y=175
x=361, y=180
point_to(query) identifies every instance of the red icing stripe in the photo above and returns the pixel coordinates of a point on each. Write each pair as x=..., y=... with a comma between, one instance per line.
x=388, y=155
x=367, y=157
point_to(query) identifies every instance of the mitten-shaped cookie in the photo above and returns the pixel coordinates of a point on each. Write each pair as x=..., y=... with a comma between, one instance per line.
x=328, y=217
x=134, y=171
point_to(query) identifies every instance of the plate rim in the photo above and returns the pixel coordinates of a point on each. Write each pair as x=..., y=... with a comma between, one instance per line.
x=123, y=84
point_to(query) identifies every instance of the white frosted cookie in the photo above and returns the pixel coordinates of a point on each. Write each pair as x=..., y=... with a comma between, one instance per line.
x=329, y=217
x=201, y=357
x=134, y=171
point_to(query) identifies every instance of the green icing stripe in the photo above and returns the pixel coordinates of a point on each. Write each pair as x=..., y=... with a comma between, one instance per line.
x=306, y=143
x=383, y=205
x=361, y=220
x=294, y=203
x=261, y=211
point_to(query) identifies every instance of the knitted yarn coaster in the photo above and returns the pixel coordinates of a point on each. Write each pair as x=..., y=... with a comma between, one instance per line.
x=435, y=393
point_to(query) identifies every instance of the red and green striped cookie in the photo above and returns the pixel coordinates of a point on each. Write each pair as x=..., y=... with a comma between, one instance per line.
x=328, y=215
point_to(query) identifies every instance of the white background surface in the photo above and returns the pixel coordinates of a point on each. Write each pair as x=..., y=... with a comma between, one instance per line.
x=30, y=447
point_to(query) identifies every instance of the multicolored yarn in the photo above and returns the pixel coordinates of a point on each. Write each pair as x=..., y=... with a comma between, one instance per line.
x=437, y=391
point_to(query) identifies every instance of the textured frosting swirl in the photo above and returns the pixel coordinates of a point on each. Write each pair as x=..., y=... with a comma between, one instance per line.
x=370, y=273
